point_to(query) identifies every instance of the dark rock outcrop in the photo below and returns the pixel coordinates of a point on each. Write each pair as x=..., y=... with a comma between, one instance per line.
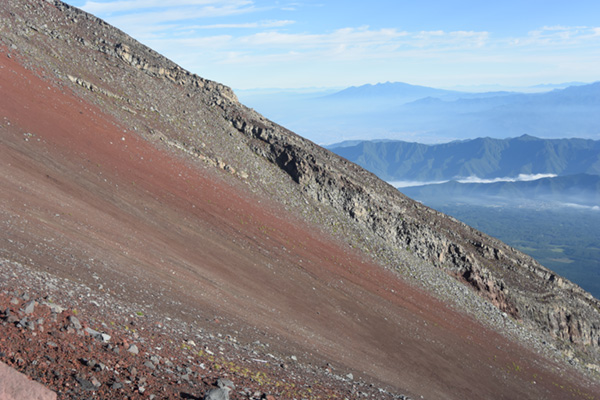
x=509, y=279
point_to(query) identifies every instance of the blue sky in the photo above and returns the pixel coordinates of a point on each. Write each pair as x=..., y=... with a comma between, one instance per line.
x=319, y=43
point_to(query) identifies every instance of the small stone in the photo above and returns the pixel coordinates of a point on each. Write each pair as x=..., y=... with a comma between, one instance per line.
x=98, y=335
x=54, y=308
x=29, y=307
x=149, y=364
x=217, y=394
x=133, y=349
x=74, y=321
x=223, y=383
x=85, y=384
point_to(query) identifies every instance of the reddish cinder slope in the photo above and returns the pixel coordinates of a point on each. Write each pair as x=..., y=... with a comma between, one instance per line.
x=85, y=199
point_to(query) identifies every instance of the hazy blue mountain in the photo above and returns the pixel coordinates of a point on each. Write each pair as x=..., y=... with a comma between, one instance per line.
x=544, y=87
x=392, y=91
x=570, y=112
x=485, y=158
x=557, y=85
x=580, y=189
x=398, y=93
x=422, y=114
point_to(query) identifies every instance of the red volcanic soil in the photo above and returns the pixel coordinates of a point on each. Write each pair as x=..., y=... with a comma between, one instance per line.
x=86, y=200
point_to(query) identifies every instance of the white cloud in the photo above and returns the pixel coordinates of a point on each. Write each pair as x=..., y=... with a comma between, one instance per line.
x=276, y=38
x=475, y=179
x=581, y=206
x=403, y=184
x=247, y=25
x=151, y=18
x=559, y=35
x=97, y=8
x=155, y=19
x=361, y=43
x=520, y=178
x=350, y=37
x=456, y=39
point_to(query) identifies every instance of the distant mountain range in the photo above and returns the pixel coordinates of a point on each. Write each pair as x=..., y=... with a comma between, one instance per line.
x=423, y=114
x=397, y=91
x=484, y=158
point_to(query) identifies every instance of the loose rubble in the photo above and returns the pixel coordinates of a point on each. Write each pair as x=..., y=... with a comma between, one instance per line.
x=79, y=351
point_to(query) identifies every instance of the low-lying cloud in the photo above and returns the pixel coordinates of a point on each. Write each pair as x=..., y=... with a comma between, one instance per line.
x=519, y=178
x=475, y=179
x=403, y=184
x=581, y=206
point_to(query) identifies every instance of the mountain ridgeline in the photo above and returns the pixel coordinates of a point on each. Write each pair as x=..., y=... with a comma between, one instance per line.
x=484, y=158
x=120, y=166
x=397, y=110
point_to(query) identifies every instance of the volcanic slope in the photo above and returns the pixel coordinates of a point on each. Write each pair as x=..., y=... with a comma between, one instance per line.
x=148, y=184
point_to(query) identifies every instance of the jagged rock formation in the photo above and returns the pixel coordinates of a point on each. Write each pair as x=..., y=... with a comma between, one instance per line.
x=203, y=120
x=511, y=280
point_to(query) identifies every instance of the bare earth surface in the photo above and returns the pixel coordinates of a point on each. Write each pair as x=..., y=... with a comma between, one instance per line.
x=161, y=252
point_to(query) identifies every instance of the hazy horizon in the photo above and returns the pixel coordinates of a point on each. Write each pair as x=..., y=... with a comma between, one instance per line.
x=249, y=44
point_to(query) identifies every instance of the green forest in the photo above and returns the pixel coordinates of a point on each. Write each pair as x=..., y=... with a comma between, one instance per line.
x=565, y=240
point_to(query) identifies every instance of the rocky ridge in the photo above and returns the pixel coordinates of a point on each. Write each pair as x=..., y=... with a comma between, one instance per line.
x=343, y=199
x=512, y=281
